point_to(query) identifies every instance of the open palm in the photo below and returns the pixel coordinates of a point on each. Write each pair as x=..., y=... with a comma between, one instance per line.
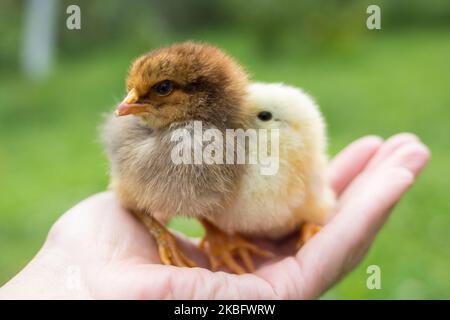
x=99, y=250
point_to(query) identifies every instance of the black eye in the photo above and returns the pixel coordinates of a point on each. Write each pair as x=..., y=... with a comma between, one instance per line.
x=163, y=88
x=265, y=115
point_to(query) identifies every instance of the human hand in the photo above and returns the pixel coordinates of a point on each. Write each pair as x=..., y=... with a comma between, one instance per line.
x=99, y=250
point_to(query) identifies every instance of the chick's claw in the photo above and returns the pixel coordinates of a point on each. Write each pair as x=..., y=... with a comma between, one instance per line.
x=224, y=248
x=168, y=250
x=307, y=231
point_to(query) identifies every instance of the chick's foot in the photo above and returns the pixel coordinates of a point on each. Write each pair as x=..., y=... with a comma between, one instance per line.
x=168, y=250
x=222, y=249
x=307, y=231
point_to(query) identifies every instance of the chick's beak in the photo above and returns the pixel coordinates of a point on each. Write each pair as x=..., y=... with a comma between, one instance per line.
x=131, y=105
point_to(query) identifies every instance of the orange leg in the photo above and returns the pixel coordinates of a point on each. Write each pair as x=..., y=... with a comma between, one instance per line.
x=222, y=249
x=307, y=231
x=168, y=250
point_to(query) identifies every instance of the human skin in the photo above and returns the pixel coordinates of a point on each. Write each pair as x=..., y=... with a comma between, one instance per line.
x=98, y=250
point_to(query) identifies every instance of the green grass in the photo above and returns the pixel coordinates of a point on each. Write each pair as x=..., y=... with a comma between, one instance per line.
x=50, y=157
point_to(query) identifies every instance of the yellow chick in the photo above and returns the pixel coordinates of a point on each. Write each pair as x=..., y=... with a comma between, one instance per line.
x=296, y=196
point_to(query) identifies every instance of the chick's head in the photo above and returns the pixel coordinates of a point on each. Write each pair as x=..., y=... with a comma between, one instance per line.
x=277, y=106
x=184, y=82
x=294, y=114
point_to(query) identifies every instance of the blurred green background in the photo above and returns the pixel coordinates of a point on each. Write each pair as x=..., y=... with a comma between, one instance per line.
x=366, y=81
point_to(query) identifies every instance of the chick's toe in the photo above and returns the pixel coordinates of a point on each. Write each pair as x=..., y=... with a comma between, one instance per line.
x=307, y=231
x=168, y=250
x=223, y=249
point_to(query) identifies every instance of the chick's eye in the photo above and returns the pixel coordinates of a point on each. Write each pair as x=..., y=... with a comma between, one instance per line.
x=163, y=88
x=265, y=115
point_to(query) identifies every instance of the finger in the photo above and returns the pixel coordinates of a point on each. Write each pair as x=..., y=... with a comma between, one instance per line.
x=411, y=156
x=358, y=221
x=390, y=146
x=351, y=161
x=145, y=281
x=392, y=150
x=342, y=243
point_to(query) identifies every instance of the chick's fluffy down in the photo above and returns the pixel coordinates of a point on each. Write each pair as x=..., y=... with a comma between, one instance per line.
x=275, y=205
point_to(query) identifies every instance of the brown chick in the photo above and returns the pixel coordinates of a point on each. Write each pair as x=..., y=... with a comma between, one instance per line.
x=167, y=89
